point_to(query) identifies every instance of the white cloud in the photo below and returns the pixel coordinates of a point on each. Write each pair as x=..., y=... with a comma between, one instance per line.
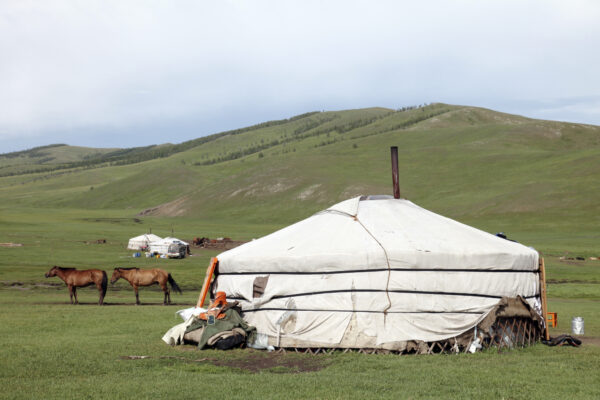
x=117, y=66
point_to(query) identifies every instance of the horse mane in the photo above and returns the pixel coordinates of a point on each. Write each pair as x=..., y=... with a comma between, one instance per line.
x=64, y=268
x=127, y=269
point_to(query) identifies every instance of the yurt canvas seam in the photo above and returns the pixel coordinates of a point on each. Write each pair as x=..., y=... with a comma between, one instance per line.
x=285, y=296
x=363, y=311
x=352, y=271
x=387, y=260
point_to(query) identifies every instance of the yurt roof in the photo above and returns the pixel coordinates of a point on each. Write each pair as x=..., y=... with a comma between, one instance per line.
x=150, y=237
x=366, y=232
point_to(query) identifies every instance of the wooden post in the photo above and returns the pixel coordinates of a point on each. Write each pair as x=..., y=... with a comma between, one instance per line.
x=543, y=297
x=209, y=274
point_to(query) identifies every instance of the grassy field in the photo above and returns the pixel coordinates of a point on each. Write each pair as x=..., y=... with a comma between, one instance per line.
x=534, y=180
x=55, y=350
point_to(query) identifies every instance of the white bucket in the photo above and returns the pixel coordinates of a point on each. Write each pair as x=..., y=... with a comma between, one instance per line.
x=577, y=325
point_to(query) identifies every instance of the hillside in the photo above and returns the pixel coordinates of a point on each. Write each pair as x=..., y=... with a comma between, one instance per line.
x=469, y=163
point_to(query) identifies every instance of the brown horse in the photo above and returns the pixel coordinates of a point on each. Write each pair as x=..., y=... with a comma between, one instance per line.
x=146, y=277
x=74, y=279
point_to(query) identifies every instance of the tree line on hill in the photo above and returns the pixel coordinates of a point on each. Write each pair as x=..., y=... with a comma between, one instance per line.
x=306, y=131
x=309, y=128
x=132, y=155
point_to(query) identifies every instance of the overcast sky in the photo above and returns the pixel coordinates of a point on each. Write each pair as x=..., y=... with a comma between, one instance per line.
x=131, y=73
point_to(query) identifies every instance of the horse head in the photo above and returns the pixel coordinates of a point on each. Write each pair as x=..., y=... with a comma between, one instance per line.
x=52, y=272
x=115, y=276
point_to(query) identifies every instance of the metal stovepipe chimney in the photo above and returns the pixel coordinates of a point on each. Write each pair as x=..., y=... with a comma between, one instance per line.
x=394, y=150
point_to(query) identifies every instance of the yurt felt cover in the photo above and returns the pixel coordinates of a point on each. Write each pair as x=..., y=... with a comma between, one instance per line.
x=375, y=271
x=136, y=243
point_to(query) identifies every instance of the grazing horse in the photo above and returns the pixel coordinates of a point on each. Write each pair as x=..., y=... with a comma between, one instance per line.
x=74, y=279
x=146, y=277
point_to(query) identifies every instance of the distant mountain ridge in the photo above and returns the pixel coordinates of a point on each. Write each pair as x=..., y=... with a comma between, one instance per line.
x=42, y=155
x=44, y=159
x=458, y=160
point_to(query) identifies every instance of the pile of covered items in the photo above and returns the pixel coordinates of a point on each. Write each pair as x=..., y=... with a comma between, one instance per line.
x=220, y=327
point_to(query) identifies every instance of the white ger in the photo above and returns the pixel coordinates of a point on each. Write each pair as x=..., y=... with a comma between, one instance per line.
x=375, y=272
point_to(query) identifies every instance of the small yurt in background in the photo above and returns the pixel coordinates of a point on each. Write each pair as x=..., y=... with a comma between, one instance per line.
x=170, y=247
x=142, y=242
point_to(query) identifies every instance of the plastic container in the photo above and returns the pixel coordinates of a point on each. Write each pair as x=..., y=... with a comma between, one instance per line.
x=577, y=326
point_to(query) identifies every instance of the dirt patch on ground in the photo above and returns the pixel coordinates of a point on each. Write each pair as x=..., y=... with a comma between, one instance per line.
x=308, y=193
x=175, y=208
x=589, y=340
x=262, y=190
x=30, y=285
x=275, y=362
x=562, y=281
x=254, y=361
x=18, y=285
x=112, y=221
x=215, y=244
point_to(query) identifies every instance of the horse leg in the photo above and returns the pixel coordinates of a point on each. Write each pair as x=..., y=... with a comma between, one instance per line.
x=71, y=293
x=137, y=296
x=165, y=288
x=101, y=300
x=75, y=294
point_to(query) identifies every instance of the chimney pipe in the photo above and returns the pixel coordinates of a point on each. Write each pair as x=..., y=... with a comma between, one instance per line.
x=394, y=150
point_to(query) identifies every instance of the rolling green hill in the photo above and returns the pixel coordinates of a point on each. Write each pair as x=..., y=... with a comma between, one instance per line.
x=494, y=170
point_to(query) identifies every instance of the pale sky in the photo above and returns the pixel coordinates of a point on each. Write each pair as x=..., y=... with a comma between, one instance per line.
x=134, y=73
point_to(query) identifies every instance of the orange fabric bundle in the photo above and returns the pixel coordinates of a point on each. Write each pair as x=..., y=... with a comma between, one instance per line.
x=216, y=307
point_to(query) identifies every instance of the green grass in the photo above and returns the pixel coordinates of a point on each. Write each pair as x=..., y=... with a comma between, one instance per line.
x=66, y=237
x=54, y=350
x=567, y=308
x=534, y=180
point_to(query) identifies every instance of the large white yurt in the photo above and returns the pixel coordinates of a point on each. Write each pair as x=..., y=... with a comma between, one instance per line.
x=142, y=242
x=376, y=272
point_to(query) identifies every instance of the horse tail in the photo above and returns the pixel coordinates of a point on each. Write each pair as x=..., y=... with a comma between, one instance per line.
x=104, y=283
x=173, y=284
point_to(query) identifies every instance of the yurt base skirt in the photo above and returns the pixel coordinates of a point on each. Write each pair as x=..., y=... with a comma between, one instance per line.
x=511, y=323
x=506, y=333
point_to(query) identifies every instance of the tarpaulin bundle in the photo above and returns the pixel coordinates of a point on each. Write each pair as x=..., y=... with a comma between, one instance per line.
x=220, y=327
x=231, y=328
x=563, y=340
